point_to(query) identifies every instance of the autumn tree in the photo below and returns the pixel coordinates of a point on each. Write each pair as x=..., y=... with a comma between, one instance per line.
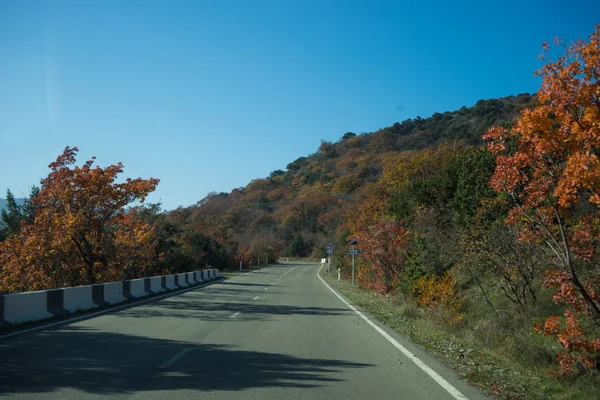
x=548, y=163
x=384, y=245
x=81, y=233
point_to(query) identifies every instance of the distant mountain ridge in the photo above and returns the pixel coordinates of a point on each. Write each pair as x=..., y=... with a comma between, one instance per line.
x=4, y=204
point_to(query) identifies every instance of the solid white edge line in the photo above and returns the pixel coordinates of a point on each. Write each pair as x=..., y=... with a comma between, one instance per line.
x=434, y=375
x=176, y=357
x=109, y=310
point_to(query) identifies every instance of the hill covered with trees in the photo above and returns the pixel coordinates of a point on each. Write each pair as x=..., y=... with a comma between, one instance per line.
x=299, y=210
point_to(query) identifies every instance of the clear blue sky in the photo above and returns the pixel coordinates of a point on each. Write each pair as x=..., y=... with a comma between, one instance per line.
x=207, y=95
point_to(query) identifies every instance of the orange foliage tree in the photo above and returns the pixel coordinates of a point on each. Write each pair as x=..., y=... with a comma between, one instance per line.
x=81, y=233
x=439, y=296
x=548, y=162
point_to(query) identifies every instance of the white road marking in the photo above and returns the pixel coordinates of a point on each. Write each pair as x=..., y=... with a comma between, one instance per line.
x=109, y=310
x=266, y=288
x=176, y=357
x=434, y=375
x=288, y=271
x=235, y=315
x=256, y=298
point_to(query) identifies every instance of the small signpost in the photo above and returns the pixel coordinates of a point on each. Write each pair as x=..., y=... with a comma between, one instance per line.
x=353, y=252
x=329, y=253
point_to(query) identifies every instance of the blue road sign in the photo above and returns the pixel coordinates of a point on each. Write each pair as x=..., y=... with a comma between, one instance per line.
x=354, y=252
x=329, y=251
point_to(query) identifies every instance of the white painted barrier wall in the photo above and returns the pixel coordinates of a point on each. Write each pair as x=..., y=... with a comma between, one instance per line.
x=113, y=293
x=181, y=278
x=137, y=288
x=171, y=282
x=35, y=306
x=78, y=298
x=23, y=307
x=190, y=278
x=156, y=284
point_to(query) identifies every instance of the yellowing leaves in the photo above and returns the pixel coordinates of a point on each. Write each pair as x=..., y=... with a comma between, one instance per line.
x=81, y=234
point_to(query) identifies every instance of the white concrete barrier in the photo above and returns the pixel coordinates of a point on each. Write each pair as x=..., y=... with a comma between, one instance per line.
x=181, y=280
x=171, y=282
x=156, y=284
x=23, y=307
x=136, y=288
x=190, y=278
x=78, y=298
x=34, y=306
x=113, y=292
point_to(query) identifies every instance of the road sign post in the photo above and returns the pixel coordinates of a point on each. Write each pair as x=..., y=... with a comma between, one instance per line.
x=353, y=252
x=329, y=253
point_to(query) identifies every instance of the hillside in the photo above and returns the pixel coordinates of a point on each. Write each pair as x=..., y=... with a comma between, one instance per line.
x=306, y=202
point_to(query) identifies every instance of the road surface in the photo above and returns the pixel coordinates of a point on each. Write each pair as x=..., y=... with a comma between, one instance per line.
x=277, y=333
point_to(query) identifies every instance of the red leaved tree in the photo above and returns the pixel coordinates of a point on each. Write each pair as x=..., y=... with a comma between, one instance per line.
x=548, y=163
x=384, y=245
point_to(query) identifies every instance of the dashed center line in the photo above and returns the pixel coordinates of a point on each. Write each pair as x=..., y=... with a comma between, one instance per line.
x=288, y=271
x=255, y=298
x=266, y=288
x=176, y=357
x=234, y=315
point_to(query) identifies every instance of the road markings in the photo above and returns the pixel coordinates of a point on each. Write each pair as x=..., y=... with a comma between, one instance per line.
x=434, y=375
x=288, y=271
x=266, y=288
x=176, y=357
x=256, y=298
x=234, y=315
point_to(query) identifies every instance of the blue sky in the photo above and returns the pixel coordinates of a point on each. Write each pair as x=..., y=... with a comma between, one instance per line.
x=208, y=95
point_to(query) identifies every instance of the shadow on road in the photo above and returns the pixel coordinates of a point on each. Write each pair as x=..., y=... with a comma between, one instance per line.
x=113, y=363
x=221, y=311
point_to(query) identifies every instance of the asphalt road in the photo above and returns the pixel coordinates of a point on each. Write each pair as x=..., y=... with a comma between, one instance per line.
x=277, y=333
